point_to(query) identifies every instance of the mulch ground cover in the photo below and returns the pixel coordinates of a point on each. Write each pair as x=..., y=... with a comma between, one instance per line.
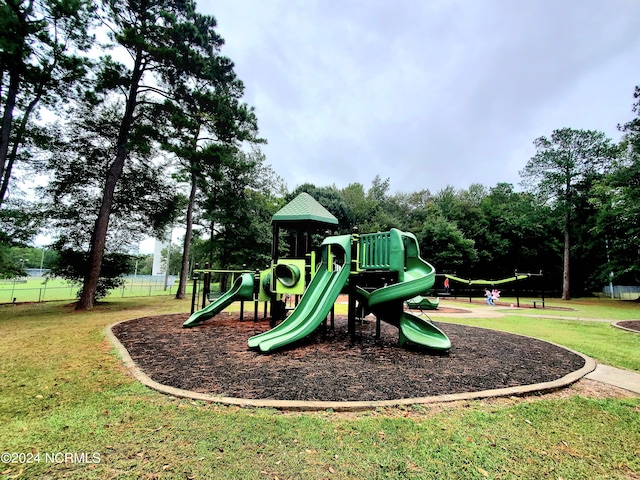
x=214, y=358
x=630, y=324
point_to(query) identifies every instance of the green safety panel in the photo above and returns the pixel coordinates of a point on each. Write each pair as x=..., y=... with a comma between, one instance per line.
x=375, y=249
x=289, y=276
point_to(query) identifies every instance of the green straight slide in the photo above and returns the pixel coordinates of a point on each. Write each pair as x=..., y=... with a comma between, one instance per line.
x=315, y=304
x=242, y=289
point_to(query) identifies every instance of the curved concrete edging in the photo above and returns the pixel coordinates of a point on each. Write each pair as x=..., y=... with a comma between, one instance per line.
x=349, y=406
x=615, y=324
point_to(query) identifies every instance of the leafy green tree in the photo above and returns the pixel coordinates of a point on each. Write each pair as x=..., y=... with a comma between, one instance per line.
x=19, y=221
x=171, y=254
x=375, y=210
x=207, y=125
x=72, y=266
x=379, y=190
x=144, y=200
x=474, y=195
x=32, y=257
x=394, y=211
x=443, y=244
x=618, y=210
x=359, y=208
x=463, y=209
x=626, y=210
x=10, y=266
x=384, y=215
x=562, y=162
x=41, y=42
x=164, y=39
x=522, y=231
x=144, y=264
x=239, y=210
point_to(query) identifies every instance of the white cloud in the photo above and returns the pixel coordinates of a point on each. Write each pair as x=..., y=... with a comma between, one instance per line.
x=427, y=93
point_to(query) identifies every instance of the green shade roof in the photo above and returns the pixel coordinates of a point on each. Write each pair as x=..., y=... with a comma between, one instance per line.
x=304, y=208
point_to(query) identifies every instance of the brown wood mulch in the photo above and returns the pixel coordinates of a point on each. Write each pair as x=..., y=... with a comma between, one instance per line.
x=214, y=358
x=630, y=324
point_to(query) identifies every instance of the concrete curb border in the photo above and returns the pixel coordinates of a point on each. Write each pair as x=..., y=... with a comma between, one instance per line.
x=350, y=406
x=616, y=324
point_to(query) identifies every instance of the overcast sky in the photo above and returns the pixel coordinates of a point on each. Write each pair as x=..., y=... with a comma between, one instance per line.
x=427, y=93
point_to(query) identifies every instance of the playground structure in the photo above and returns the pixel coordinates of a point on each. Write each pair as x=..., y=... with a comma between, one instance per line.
x=470, y=287
x=378, y=272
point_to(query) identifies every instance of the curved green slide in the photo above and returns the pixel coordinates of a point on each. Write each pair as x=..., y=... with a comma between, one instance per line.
x=422, y=332
x=417, y=277
x=423, y=303
x=314, y=305
x=242, y=289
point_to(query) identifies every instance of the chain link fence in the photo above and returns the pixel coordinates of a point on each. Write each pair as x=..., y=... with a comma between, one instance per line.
x=42, y=289
x=622, y=292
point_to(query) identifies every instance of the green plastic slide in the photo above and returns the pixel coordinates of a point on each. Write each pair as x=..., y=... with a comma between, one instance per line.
x=417, y=277
x=423, y=303
x=314, y=305
x=242, y=289
x=422, y=332
x=412, y=329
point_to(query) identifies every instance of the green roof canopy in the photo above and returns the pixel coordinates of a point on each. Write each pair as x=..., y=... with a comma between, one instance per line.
x=304, y=208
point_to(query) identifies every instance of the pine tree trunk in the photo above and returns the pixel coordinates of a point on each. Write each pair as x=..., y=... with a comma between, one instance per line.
x=18, y=139
x=99, y=235
x=5, y=128
x=184, y=271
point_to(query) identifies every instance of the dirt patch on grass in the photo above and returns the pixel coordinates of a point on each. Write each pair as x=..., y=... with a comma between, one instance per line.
x=629, y=325
x=214, y=358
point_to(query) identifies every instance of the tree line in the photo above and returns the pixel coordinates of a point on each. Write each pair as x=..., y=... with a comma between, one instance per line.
x=128, y=121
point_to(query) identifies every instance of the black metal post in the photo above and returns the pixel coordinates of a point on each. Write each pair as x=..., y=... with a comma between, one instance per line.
x=351, y=318
x=194, y=293
x=256, y=294
x=333, y=315
x=206, y=285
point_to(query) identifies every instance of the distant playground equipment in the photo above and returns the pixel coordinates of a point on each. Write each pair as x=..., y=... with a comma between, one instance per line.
x=378, y=272
x=214, y=302
x=423, y=303
x=518, y=277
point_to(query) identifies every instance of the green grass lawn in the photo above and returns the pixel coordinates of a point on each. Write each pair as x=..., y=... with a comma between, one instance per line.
x=598, y=340
x=39, y=289
x=64, y=391
x=582, y=307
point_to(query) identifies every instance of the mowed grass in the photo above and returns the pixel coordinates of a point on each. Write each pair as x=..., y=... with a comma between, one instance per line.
x=39, y=289
x=597, y=339
x=65, y=391
x=599, y=308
